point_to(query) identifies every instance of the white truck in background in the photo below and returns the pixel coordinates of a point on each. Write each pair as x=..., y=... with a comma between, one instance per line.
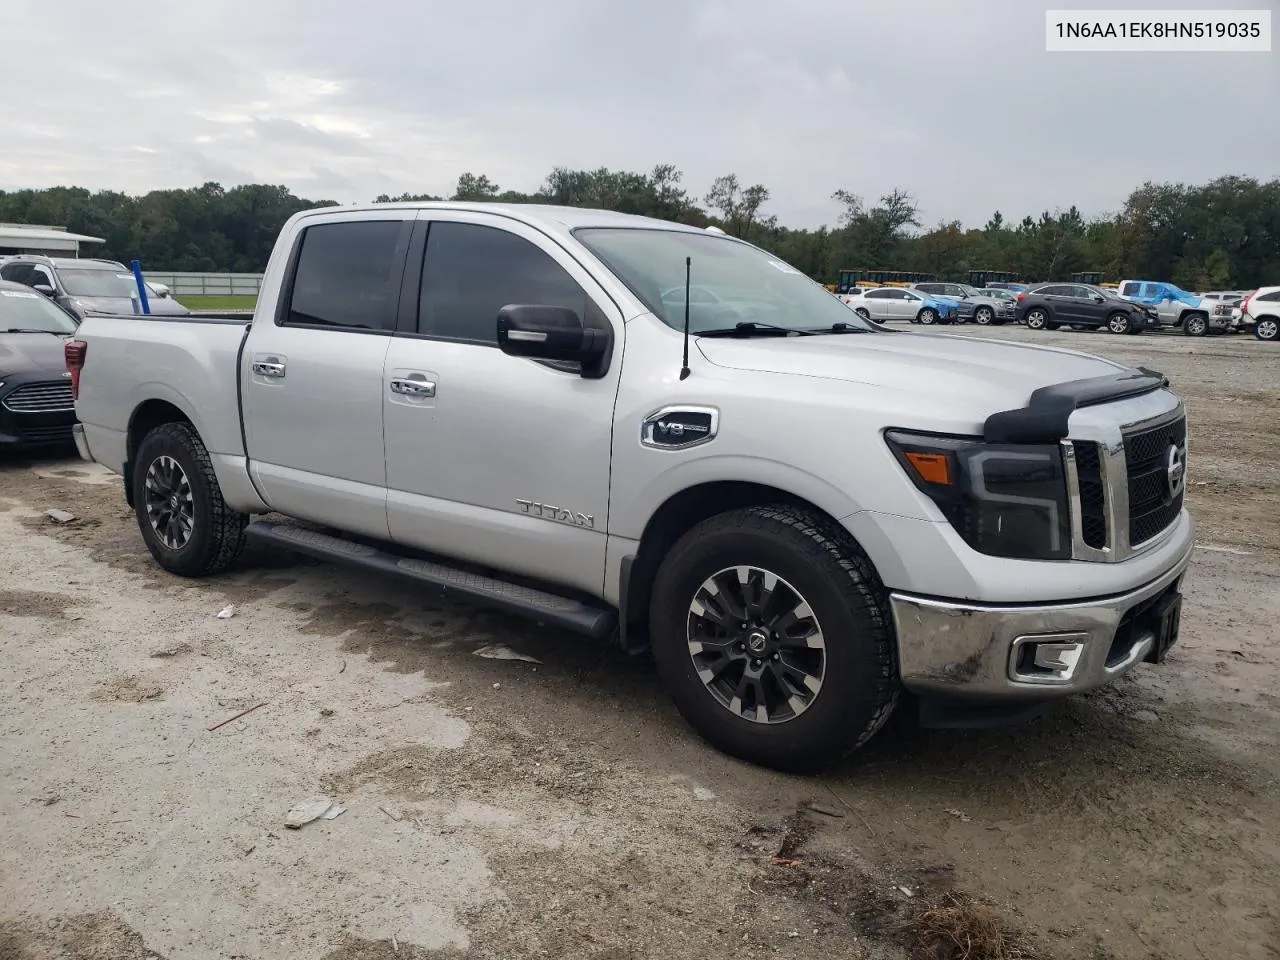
x=802, y=515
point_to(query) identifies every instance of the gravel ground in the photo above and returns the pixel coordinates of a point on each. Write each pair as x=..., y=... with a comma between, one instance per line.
x=497, y=809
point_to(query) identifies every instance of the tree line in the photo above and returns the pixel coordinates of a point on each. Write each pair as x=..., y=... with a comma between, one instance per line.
x=1224, y=234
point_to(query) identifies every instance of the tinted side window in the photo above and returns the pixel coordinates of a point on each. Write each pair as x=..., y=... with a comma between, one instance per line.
x=348, y=275
x=1271, y=297
x=17, y=272
x=878, y=294
x=1052, y=292
x=472, y=271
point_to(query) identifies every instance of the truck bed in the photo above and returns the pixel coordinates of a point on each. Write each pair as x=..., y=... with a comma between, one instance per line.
x=189, y=362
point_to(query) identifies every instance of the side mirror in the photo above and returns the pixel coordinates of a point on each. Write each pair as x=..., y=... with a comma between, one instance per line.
x=44, y=288
x=1099, y=298
x=548, y=333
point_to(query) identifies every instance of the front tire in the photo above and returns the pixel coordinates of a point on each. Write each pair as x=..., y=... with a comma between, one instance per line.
x=185, y=522
x=811, y=676
x=928, y=316
x=1196, y=325
x=1120, y=323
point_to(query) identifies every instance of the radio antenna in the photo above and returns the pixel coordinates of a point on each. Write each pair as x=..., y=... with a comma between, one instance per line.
x=688, y=280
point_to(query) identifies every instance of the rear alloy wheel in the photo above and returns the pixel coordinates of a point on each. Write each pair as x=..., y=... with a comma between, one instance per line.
x=1268, y=328
x=1196, y=325
x=1037, y=319
x=928, y=316
x=772, y=634
x=187, y=525
x=1120, y=323
x=984, y=315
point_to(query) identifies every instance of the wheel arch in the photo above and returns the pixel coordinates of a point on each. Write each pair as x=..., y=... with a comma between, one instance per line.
x=146, y=417
x=675, y=517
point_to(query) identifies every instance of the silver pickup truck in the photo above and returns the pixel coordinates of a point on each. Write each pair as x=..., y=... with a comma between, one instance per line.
x=801, y=515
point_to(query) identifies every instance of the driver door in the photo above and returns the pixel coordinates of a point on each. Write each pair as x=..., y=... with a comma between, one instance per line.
x=499, y=460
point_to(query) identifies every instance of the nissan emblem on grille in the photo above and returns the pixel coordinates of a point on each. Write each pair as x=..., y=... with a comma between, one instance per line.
x=1176, y=471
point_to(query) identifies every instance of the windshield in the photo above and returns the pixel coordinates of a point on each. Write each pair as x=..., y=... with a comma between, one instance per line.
x=732, y=282
x=98, y=283
x=24, y=310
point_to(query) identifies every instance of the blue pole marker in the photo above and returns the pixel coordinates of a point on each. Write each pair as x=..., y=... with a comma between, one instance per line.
x=142, y=287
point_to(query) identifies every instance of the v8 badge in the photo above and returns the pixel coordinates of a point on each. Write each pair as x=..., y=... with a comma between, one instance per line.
x=678, y=428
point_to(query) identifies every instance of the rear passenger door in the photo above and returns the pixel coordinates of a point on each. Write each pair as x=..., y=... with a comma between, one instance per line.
x=312, y=371
x=499, y=460
x=877, y=303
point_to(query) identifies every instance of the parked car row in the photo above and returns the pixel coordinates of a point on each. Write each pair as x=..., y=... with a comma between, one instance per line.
x=86, y=286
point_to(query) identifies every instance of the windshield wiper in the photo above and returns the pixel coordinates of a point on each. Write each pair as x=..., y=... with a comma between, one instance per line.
x=841, y=327
x=56, y=333
x=752, y=327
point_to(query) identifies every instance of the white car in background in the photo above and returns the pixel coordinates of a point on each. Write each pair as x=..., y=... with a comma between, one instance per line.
x=1261, y=310
x=882, y=304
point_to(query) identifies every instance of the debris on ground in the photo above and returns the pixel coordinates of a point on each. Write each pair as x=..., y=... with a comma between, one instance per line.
x=961, y=816
x=236, y=717
x=174, y=651
x=227, y=612
x=315, y=808
x=61, y=516
x=702, y=793
x=821, y=808
x=498, y=651
x=960, y=929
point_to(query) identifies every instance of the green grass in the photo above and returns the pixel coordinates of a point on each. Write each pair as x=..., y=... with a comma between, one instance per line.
x=218, y=303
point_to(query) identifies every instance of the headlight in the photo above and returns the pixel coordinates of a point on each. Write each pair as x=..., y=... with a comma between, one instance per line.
x=1005, y=500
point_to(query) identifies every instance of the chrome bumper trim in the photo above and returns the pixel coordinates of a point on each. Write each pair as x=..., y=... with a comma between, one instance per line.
x=82, y=445
x=960, y=649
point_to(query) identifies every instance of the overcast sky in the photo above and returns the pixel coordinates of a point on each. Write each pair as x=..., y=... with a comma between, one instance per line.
x=956, y=101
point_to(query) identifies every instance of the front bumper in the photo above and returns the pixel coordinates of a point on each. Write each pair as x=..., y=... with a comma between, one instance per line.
x=32, y=424
x=983, y=652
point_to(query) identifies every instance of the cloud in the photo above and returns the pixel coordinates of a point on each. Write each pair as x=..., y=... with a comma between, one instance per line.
x=958, y=103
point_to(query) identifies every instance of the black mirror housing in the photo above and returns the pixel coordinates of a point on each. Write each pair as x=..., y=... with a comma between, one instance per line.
x=549, y=333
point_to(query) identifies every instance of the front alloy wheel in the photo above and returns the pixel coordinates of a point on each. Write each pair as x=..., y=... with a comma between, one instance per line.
x=170, y=506
x=1120, y=323
x=928, y=316
x=756, y=645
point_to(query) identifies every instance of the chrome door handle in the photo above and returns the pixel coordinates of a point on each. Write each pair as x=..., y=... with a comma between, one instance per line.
x=413, y=388
x=268, y=368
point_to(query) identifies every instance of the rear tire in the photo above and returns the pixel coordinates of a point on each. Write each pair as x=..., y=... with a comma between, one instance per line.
x=1268, y=329
x=835, y=623
x=1037, y=319
x=185, y=522
x=984, y=316
x=863, y=313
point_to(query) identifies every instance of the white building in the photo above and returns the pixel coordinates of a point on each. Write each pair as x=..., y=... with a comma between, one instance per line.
x=37, y=238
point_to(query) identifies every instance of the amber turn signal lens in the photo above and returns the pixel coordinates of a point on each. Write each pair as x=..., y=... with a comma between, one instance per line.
x=931, y=467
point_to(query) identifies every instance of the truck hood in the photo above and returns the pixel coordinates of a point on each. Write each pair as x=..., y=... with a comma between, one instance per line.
x=31, y=353
x=969, y=377
x=123, y=306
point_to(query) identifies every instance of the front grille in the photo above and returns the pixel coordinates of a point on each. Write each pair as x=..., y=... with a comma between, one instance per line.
x=46, y=396
x=1093, y=499
x=1151, y=507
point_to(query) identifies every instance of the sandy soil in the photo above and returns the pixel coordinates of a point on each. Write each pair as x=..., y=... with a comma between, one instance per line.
x=502, y=809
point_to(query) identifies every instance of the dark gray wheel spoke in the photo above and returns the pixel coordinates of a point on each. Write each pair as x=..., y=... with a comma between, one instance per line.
x=170, y=505
x=756, y=644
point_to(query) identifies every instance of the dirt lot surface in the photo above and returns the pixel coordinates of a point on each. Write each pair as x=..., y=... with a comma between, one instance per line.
x=501, y=809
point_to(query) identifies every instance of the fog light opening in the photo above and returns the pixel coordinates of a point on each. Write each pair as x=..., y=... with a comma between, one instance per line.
x=1051, y=658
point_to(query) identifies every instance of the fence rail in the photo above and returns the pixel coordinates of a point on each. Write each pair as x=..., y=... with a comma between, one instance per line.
x=208, y=284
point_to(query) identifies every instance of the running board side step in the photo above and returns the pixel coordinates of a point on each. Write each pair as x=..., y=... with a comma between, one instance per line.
x=529, y=602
